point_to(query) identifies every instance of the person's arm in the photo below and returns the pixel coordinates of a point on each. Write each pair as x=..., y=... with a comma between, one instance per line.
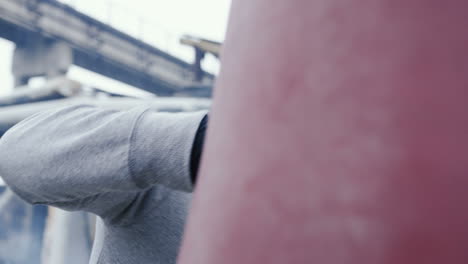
x=197, y=149
x=86, y=158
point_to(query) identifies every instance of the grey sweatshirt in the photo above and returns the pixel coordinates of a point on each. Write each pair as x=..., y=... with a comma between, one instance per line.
x=131, y=168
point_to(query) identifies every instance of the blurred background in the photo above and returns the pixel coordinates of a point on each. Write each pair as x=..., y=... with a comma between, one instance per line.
x=113, y=53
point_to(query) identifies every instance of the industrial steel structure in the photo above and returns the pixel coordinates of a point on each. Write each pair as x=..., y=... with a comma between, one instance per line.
x=51, y=36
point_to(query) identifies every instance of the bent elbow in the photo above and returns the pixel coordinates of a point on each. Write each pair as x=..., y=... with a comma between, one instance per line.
x=15, y=153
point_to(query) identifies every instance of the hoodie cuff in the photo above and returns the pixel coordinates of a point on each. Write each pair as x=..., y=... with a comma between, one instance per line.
x=160, y=149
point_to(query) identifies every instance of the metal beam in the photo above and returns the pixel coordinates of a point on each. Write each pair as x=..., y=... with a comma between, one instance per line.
x=97, y=46
x=10, y=115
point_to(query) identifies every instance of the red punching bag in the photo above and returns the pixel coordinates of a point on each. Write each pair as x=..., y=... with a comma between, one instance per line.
x=339, y=134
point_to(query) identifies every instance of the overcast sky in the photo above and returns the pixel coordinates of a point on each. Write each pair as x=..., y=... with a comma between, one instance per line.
x=158, y=22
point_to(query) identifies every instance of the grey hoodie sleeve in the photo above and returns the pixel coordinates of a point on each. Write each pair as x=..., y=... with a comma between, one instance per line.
x=87, y=158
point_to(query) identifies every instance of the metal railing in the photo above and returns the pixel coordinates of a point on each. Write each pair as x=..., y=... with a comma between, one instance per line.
x=136, y=25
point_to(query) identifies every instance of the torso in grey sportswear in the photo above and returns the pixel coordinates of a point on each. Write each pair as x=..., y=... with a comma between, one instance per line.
x=131, y=168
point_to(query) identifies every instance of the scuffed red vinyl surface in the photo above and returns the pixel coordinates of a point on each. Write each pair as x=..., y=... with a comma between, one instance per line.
x=339, y=134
